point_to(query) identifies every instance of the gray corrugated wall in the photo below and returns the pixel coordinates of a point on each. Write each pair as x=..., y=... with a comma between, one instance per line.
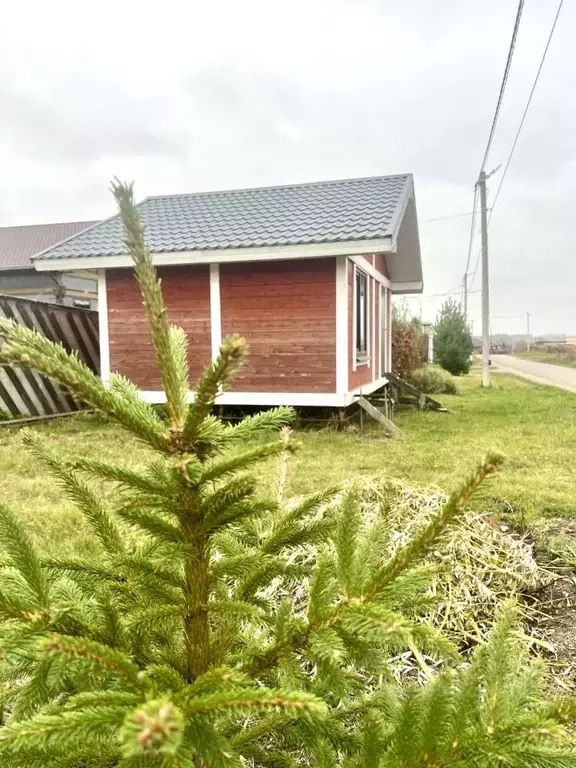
x=25, y=393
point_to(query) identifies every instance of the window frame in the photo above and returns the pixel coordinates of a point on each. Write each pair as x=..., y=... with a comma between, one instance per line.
x=361, y=317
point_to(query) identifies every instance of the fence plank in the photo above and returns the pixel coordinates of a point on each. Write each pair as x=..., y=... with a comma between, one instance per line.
x=25, y=394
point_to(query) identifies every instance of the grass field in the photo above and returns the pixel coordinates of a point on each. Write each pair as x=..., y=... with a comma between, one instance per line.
x=556, y=357
x=534, y=426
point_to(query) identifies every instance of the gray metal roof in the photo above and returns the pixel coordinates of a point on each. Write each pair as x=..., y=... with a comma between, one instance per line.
x=322, y=212
x=19, y=244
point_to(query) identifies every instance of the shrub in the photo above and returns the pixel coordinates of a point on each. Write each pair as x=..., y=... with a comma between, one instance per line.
x=434, y=380
x=217, y=628
x=520, y=346
x=453, y=345
x=409, y=342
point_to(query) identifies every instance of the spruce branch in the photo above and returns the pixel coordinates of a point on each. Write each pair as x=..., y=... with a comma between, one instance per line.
x=19, y=548
x=252, y=426
x=156, y=727
x=285, y=435
x=26, y=347
x=420, y=545
x=95, y=654
x=170, y=344
x=127, y=478
x=84, y=498
x=247, y=700
x=218, y=469
x=40, y=730
x=214, y=380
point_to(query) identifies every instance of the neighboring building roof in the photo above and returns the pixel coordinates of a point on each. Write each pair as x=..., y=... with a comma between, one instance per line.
x=19, y=244
x=321, y=212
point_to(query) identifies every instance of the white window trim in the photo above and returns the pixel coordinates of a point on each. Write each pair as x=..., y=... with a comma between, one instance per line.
x=355, y=362
x=103, y=327
x=370, y=270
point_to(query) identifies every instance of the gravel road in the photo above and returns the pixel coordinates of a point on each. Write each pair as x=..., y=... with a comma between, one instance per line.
x=543, y=373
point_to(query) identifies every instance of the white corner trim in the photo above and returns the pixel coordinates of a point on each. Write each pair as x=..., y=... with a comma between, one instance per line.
x=414, y=287
x=389, y=330
x=224, y=255
x=341, y=324
x=370, y=270
x=374, y=286
x=354, y=310
x=215, y=310
x=103, y=327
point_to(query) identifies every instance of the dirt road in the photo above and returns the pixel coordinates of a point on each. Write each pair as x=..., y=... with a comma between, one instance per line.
x=543, y=373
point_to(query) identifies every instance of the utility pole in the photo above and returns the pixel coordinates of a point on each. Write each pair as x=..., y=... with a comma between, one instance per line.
x=485, y=283
x=528, y=331
x=465, y=287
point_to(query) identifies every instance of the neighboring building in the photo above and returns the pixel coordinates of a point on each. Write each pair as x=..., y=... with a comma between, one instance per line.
x=571, y=340
x=19, y=278
x=305, y=273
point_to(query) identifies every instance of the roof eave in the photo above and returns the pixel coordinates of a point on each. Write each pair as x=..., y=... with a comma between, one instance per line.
x=416, y=286
x=15, y=268
x=224, y=255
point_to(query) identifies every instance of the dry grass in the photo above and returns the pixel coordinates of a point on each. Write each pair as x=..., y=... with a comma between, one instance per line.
x=480, y=561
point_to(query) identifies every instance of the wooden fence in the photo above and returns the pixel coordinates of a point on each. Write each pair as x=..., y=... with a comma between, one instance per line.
x=26, y=394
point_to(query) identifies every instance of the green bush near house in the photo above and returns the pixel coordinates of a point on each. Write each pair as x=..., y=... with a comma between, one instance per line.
x=409, y=343
x=434, y=380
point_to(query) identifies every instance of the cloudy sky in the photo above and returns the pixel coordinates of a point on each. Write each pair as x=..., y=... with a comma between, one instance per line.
x=188, y=96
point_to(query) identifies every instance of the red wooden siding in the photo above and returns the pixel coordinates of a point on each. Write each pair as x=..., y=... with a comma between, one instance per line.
x=187, y=296
x=380, y=264
x=378, y=261
x=286, y=310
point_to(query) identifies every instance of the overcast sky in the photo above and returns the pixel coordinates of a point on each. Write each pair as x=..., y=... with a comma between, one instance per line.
x=189, y=96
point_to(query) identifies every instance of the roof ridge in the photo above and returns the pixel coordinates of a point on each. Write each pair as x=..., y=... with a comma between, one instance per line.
x=298, y=185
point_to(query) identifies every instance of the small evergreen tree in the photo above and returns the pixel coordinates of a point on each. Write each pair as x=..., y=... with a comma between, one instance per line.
x=453, y=343
x=220, y=629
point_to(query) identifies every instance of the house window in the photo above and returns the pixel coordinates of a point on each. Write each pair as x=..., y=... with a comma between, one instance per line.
x=361, y=317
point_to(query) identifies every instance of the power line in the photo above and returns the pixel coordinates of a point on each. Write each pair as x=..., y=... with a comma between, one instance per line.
x=443, y=218
x=480, y=191
x=494, y=123
x=542, y=60
x=503, y=84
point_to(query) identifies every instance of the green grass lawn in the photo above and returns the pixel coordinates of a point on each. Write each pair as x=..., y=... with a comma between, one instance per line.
x=565, y=359
x=534, y=426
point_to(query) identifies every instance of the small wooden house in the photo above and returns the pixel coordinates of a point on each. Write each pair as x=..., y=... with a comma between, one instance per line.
x=305, y=273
